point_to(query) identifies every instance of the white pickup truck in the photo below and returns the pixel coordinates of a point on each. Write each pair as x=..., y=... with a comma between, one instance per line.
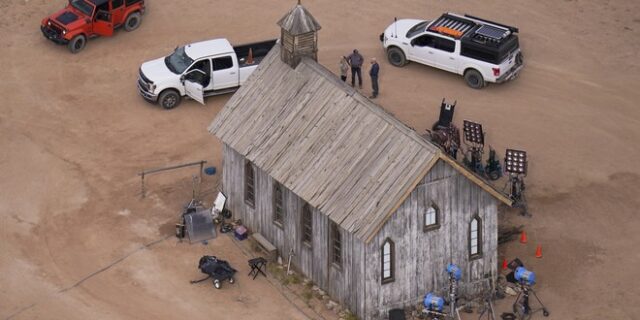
x=480, y=50
x=199, y=70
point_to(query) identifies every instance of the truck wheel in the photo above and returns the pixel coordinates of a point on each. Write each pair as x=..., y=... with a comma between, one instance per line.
x=77, y=43
x=519, y=58
x=133, y=21
x=169, y=99
x=396, y=57
x=474, y=79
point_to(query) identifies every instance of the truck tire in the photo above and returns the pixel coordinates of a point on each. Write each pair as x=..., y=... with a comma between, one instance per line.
x=77, y=43
x=519, y=58
x=169, y=99
x=396, y=57
x=132, y=22
x=474, y=79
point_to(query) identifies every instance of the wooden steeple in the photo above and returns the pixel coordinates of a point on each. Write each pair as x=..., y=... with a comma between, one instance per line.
x=299, y=36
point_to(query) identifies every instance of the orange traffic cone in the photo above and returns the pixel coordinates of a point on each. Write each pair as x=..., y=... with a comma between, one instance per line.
x=250, y=57
x=504, y=264
x=523, y=237
x=539, y=251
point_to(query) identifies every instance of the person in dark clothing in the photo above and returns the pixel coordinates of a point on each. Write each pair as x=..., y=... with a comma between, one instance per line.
x=373, y=73
x=355, y=61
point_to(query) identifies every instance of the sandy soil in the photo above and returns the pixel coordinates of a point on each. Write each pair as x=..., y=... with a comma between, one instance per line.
x=77, y=242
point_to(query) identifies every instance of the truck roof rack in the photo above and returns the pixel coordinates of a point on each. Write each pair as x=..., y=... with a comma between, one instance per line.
x=451, y=25
x=489, y=33
x=473, y=28
x=512, y=29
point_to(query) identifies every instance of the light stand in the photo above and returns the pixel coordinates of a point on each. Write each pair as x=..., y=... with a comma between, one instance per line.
x=434, y=305
x=474, y=139
x=487, y=309
x=487, y=305
x=521, y=307
x=515, y=163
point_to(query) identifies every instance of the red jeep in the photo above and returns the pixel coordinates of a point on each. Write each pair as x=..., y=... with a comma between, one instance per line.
x=83, y=19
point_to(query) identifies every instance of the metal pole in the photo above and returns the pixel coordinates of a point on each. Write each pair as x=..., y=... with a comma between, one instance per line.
x=201, y=163
x=142, y=190
x=150, y=171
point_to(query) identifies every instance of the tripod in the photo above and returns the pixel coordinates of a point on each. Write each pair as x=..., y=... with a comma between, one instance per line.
x=453, y=314
x=487, y=308
x=487, y=305
x=516, y=193
x=522, y=308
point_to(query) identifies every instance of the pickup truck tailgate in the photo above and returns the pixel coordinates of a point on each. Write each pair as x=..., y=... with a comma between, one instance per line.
x=510, y=67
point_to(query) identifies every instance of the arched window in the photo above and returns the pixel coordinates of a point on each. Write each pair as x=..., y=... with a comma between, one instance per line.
x=475, y=237
x=278, y=204
x=336, y=245
x=431, y=218
x=388, y=260
x=249, y=184
x=307, y=225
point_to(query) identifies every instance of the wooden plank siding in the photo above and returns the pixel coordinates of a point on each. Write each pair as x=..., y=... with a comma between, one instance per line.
x=420, y=256
x=313, y=261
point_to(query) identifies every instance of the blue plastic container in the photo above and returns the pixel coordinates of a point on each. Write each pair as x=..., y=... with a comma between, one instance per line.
x=433, y=302
x=210, y=171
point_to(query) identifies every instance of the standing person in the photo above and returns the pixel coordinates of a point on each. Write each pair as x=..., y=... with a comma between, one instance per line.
x=355, y=60
x=344, y=68
x=373, y=73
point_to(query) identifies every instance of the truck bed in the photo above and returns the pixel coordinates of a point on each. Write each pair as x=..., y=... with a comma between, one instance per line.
x=259, y=51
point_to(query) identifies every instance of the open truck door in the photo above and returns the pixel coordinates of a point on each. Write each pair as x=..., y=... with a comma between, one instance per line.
x=193, y=85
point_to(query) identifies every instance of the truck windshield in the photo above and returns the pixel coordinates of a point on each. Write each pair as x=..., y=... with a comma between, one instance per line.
x=418, y=28
x=178, y=61
x=82, y=6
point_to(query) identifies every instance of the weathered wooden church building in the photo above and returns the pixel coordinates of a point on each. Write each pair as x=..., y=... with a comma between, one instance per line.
x=372, y=210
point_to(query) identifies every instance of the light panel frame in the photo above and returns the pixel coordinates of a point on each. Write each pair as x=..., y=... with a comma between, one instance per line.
x=515, y=161
x=473, y=132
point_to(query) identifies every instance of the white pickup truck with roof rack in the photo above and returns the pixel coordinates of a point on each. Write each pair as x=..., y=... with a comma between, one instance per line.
x=481, y=50
x=199, y=70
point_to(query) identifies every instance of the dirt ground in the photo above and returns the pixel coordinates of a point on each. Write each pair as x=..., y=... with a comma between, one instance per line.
x=77, y=242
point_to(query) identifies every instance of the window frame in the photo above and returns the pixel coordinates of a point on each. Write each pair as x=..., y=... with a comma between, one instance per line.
x=278, y=201
x=216, y=61
x=434, y=226
x=441, y=42
x=478, y=54
x=478, y=253
x=307, y=225
x=433, y=44
x=114, y=6
x=335, y=236
x=392, y=263
x=249, y=197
